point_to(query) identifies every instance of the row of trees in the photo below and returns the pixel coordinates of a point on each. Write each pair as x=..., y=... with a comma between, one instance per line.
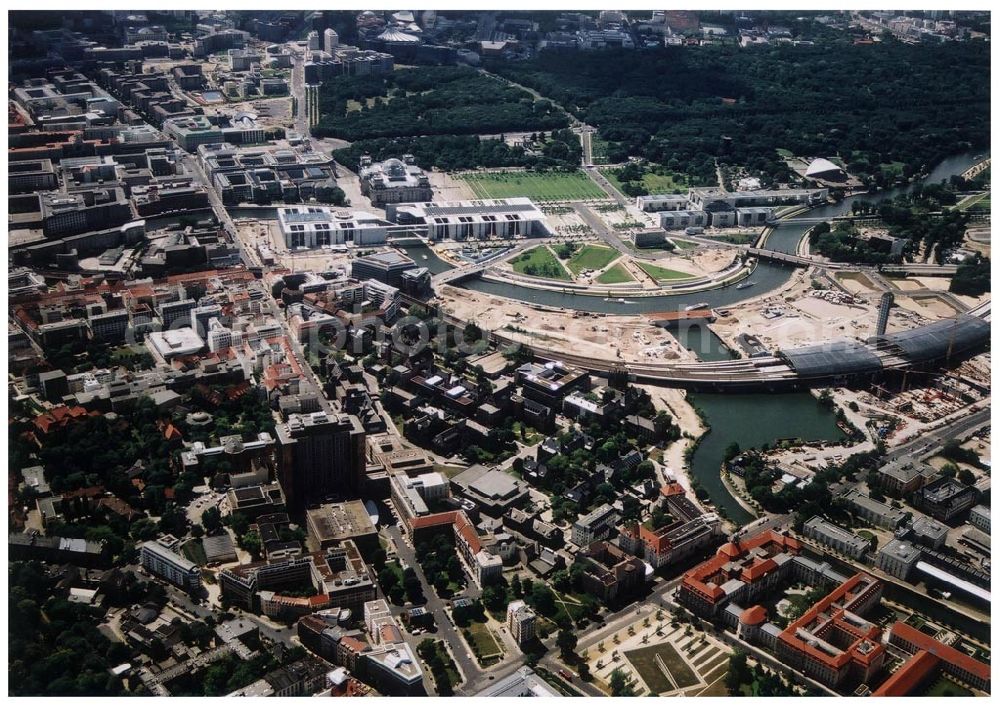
x=459, y=152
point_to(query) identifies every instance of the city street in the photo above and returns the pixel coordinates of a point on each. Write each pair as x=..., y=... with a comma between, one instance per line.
x=465, y=661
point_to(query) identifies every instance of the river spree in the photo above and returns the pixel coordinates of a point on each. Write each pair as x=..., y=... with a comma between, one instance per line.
x=768, y=276
x=751, y=421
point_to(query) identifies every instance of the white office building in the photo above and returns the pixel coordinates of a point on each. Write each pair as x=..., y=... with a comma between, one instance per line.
x=464, y=220
x=169, y=565
x=320, y=226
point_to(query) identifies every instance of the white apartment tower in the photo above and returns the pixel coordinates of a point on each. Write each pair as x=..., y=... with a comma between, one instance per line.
x=330, y=40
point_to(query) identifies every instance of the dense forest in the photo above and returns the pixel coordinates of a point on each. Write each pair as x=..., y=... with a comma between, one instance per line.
x=883, y=109
x=561, y=150
x=55, y=646
x=430, y=101
x=972, y=277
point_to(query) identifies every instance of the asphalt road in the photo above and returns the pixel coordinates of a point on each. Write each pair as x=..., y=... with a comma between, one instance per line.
x=930, y=442
x=184, y=601
x=446, y=631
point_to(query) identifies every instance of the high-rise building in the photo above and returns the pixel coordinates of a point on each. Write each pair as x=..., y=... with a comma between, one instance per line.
x=319, y=455
x=520, y=622
x=313, y=38
x=884, y=305
x=330, y=40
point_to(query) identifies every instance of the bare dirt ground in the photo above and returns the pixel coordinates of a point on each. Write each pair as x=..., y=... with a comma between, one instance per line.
x=626, y=338
x=447, y=188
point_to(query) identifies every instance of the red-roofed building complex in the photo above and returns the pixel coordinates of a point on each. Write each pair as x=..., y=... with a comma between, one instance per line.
x=930, y=656
x=831, y=642
x=740, y=571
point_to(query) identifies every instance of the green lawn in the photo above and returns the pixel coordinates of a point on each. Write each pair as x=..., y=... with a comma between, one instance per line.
x=980, y=202
x=644, y=660
x=195, y=552
x=894, y=168
x=598, y=150
x=482, y=639
x=654, y=183
x=449, y=471
x=662, y=274
x=540, y=262
x=538, y=186
x=591, y=257
x=615, y=275
x=684, y=244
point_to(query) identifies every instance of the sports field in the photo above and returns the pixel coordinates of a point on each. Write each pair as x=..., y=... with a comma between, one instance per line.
x=662, y=274
x=591, y=257
x=537, y=186
x=615, y=275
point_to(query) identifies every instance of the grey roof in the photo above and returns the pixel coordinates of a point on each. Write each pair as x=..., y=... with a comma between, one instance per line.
x=218, y=547
x=941, y=338
x=523, y=682
x=903, y=551
x=840, y=357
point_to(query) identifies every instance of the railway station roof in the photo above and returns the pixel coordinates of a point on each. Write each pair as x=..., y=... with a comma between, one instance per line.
x=940, y=339
x=840, y=357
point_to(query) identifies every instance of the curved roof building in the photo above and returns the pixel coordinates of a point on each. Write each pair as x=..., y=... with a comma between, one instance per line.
x=939, y=340
x=825, y=169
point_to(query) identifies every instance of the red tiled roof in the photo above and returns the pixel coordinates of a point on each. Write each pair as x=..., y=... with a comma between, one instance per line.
x=441, y=518
x=702, y=577
x=909, y=676
x=754, y=615
x=840, y=596
x=671, y=489
x=939, y=649
x=353, y=644
x=467, y=532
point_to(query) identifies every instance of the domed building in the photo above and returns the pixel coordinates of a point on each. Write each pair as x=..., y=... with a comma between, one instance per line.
x=394, y=181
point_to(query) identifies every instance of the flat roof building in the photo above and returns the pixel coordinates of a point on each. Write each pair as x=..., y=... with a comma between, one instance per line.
x=945, y=498
x=595, y=525
x=160, y=560
x=465, y=220
x=385, y=267
x=173, y=343
x=980, y=517
x=491, y=489
x=523, y=682
x=835, y=536
x=322, y=226
x=876, y=512
x=332, y=523
x=928, y=532
x=898, y=558
x=903, y=476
